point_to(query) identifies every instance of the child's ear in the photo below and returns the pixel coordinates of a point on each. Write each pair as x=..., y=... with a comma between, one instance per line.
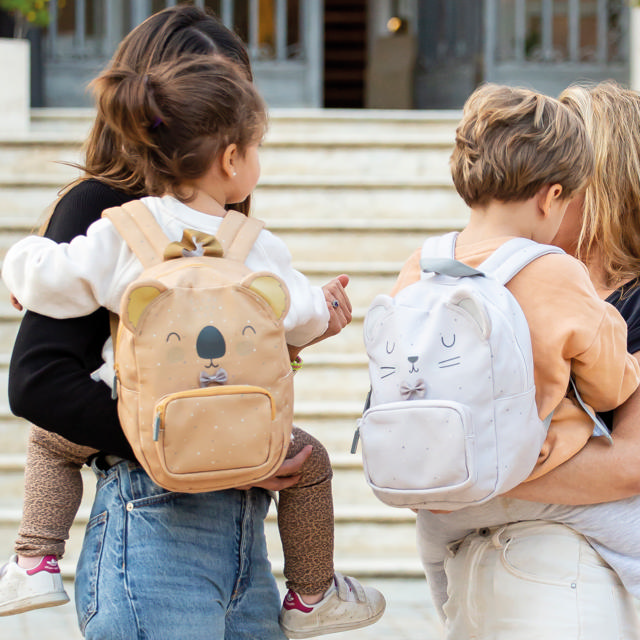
x=548, y=196
x=228, y=161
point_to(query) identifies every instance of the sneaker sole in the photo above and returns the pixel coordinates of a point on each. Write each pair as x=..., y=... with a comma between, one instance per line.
x=34, y=602
x=347, y=626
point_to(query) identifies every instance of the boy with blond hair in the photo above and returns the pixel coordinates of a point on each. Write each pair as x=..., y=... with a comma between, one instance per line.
x=521, y=160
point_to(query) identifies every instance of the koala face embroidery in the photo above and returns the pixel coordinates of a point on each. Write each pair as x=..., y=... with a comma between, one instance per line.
x=187, y=337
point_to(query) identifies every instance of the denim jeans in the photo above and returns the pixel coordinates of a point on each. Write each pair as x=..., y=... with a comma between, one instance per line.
x=159, y=565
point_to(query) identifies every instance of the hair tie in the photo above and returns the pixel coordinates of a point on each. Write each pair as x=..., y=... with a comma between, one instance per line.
x=156, y=123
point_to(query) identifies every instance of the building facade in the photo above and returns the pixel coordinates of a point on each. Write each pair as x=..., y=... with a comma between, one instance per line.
x=425, y=54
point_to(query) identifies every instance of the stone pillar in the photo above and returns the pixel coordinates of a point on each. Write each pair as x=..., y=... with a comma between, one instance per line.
x=15, y=93
x=634, y=47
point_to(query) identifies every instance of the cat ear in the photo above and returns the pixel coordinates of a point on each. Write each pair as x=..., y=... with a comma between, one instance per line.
x=377, y=311
x=474, y=308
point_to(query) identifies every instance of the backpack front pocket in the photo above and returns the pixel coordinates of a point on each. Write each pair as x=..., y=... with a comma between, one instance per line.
x=418, y=450
x=214, y=429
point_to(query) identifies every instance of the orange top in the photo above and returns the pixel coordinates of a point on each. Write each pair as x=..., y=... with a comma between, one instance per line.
x=573, y=332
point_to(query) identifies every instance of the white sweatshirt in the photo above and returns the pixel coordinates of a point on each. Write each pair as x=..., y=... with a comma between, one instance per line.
x=74, y=279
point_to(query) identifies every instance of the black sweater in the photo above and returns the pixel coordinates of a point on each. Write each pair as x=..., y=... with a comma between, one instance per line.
x=51, y=363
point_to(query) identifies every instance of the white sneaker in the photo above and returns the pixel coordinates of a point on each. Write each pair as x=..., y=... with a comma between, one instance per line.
x=346, y=605
x=26, y=589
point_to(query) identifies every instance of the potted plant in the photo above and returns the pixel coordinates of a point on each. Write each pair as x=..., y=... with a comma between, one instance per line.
x=15, y=62
x=26, y=14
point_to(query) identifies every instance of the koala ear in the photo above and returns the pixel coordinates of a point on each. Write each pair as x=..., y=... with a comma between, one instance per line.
x=136, y=300
x=378, y=309
x=272, y=289
x=474, y=308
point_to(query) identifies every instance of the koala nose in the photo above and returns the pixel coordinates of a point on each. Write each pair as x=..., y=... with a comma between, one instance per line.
x=210, y=343
x=412, y=359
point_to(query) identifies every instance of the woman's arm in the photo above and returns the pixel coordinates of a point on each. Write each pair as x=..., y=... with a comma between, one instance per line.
x=49, y=382
x=600, y=472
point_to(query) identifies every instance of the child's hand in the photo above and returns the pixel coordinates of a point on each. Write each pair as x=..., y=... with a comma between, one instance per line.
x=15, y=303
x=339, y=307
x=338, y=304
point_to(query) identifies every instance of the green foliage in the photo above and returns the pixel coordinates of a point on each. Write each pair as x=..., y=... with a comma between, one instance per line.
x=27, y=13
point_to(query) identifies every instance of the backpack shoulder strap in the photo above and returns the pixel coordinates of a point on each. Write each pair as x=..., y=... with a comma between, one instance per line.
x=140, y=230
x=237, y=234
x=510, y=258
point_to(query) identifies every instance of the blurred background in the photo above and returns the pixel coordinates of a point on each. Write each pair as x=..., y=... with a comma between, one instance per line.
x=364, y=96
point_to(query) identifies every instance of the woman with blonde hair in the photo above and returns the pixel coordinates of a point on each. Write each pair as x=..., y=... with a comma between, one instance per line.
x=535, y=567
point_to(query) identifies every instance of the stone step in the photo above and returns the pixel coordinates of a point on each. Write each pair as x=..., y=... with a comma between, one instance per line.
x=55, y=157
x=284, y=200
x=294, y=124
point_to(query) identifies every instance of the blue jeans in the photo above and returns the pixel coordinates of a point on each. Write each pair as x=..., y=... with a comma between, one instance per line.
x=160, y=565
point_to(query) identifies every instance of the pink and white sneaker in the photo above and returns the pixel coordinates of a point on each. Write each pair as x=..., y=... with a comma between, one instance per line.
x=345, y=605
x=27, y=589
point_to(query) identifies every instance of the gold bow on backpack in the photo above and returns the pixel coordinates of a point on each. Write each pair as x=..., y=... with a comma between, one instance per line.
x=193, y=244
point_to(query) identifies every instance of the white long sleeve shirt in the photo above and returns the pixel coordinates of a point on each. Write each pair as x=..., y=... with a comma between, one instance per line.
x=74, y=279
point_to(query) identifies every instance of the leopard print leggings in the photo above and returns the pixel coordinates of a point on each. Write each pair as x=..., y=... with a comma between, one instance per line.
x=53, y=490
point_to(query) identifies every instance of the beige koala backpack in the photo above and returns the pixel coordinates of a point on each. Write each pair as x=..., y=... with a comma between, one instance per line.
x=203, y=375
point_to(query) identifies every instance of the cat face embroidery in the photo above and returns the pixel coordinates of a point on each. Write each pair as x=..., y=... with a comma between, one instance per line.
x=415, y=351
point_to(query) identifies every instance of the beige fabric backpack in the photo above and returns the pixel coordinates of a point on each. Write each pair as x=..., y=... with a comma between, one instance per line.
x=203, y=375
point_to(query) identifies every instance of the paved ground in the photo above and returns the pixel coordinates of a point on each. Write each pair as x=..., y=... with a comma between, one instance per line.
x=409, y=616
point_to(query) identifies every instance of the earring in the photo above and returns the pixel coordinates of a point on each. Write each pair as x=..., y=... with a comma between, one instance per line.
x=235, y=173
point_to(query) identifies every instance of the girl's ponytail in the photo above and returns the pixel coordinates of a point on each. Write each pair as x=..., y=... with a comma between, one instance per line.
x=126, y=102
x=172, y=121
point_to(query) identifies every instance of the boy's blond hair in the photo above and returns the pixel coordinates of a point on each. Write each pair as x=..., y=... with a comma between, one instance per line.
x=512, y=141
x=611, y=212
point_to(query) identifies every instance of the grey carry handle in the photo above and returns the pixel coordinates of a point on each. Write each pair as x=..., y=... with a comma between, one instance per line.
x=438, y=256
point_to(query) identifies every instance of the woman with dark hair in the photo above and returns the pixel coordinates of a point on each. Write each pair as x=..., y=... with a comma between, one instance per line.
x=223, y=531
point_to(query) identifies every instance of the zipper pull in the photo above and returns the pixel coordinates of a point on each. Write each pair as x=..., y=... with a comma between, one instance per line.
x=356, y=439
x=114, y=387
x=156, y=428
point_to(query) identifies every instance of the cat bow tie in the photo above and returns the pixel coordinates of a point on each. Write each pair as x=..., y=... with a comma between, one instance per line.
x=412, y=391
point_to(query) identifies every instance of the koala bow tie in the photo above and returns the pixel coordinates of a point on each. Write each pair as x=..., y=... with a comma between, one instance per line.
x=219, y=377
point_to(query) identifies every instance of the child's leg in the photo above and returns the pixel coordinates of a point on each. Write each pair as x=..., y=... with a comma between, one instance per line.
x=53, y=490
x=319, y=601
x=305, y=520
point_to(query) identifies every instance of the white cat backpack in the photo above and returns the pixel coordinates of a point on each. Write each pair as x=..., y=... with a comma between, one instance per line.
x=452, y=418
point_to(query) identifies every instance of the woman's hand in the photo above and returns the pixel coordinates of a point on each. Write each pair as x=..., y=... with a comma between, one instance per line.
x=15, y=303
x=287, y=475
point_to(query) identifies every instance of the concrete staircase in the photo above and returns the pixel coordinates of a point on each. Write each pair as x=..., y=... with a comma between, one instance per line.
x=350, y=192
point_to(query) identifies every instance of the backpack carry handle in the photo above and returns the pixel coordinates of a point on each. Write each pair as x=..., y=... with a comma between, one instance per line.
x=448, y=267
